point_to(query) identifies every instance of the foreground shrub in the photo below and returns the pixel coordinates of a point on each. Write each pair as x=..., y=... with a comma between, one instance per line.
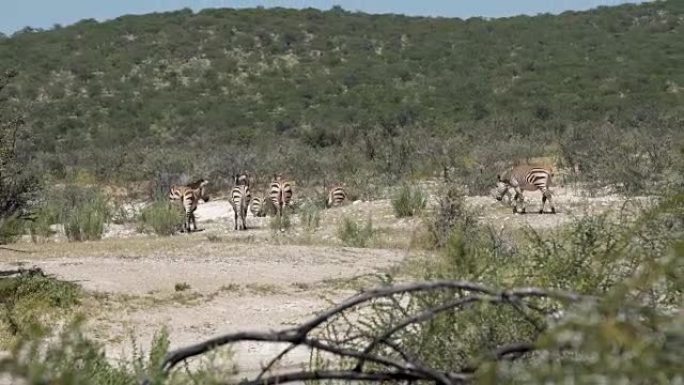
x=409, y=201
x=30, y=303
x=161, y=218
x=353, y=234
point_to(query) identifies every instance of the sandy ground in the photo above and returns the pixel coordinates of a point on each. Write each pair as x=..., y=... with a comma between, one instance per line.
x=255, y=279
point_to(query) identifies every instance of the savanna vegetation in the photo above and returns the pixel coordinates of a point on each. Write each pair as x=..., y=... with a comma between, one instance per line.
x=351, y=96
x=372, y=100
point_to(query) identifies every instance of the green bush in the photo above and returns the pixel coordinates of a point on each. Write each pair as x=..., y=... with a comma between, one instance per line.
x=161, y=218
x=409, y=201
x=353, y=234
x=87, y=222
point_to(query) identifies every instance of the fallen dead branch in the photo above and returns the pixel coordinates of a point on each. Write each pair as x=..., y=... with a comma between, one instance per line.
x=352, y=355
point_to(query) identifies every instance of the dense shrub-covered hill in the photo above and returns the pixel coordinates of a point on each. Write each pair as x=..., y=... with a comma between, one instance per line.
x=147, y=84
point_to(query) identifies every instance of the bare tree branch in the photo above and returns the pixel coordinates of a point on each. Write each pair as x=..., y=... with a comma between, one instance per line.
x=346, y=375
x=408, y=368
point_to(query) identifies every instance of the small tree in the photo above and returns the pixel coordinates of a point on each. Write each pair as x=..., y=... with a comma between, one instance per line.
x=17, y=186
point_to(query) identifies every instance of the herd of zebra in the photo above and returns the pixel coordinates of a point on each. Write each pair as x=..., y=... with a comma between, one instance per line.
x=516, y=179
x=280, y=194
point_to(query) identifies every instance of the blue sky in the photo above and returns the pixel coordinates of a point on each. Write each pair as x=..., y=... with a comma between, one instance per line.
x=17, y=14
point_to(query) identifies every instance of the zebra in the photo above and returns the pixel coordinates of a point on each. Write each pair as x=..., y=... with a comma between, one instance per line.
x=242, y=179
x=525, y=178
x=336, y=196
x=281, y=195
x=258, y=206
x=189, y=196
x=239, y=199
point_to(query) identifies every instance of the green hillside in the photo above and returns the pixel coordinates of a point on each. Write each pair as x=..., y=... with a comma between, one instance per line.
x=213, y=91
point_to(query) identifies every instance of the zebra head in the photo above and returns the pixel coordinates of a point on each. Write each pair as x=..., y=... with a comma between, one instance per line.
x=502, y=187
x=241, y=179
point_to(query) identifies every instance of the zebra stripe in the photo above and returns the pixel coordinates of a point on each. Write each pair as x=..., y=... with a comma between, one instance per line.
x=239, y=199
x=336, y=196
x=258, y=206
x=526, y=178
x=280, y=194
x=189, y=196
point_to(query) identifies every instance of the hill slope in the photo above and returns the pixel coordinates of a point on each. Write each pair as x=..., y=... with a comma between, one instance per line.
x=323, y=79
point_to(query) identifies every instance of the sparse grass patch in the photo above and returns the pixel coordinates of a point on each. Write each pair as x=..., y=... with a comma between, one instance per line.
x=231, y=287
x=181, y=286
x=409, y=201
x=353, y=234
x=161, y=218
x=301, y=286
x=262, y=288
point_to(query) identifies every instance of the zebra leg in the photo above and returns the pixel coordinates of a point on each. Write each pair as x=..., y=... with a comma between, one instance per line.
x=521, y=199
x=541, y=210
x=186, y=223
x=548, y=195
x=280, y=217
x=194, y=221
x=518, y=198
x=236, y=218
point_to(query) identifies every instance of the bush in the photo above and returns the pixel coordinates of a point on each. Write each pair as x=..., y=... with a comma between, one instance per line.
x=451, y=212
x=408, y=202
x=85, y=215
x=161, y=218
x=30, y=302
x=354, y=235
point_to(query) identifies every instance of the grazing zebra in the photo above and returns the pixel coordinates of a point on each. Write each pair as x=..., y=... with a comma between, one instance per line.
x=336, y=196
x=258, y=206
x=525, y=178
x=189, y=196
x=239, y=199
x=281, y=195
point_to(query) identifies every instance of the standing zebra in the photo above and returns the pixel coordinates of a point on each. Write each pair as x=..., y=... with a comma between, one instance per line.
x=239, y=199
x=190, y=195
x=258, y=206
x=525, y=178
x=281, y=195
x=336, y=196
